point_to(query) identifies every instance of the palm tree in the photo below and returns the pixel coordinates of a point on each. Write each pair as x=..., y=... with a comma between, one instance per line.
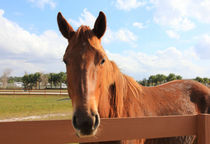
x=37, y=79
x=61, y=78
x=50, y=79
x=32, y=80
x=26, y=82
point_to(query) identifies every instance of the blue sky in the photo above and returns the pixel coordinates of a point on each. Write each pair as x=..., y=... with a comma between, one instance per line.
x=143, y=37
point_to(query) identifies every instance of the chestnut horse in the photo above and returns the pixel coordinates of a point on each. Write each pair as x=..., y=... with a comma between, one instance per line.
x=98, y=89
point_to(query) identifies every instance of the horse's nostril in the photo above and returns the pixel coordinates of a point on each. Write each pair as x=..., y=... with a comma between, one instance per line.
x=95, y=118
x=96, y=121
x=74, y=121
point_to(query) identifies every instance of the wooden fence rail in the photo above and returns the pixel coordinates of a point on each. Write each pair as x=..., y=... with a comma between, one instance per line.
x=61, y=131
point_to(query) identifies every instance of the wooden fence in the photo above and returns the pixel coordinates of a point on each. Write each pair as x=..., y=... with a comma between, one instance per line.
x=61, y=131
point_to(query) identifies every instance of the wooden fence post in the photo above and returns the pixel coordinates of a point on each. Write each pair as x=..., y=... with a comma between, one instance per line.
x=203, y=129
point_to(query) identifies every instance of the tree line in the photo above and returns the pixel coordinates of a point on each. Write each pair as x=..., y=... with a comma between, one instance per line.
x=38, y=80
x=157, y=79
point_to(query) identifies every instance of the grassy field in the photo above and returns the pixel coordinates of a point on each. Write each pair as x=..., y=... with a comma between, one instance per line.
x=24, y=106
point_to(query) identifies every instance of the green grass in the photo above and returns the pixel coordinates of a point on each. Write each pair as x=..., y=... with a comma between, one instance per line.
x=22, y=106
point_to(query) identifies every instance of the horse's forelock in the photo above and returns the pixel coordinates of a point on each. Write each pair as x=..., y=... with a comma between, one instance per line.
x=84, y=32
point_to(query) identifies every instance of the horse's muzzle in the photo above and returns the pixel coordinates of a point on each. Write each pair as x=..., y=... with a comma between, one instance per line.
x=85, y=124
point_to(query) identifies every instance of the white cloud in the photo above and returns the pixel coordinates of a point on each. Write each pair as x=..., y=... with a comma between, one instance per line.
x=123, y=34
x=86, y=18
x=42, y=3
x=178, y=23
x=129, y=4
x=172, y=34
x=140, y=65
x=203, y=47
x=182, y=24
x=179, y=15
x=23, y=50
x=18, y=67
x=138, y=25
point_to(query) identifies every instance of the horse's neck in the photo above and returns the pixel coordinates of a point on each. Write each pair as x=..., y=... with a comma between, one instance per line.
x=127, y=96
x=123, y=97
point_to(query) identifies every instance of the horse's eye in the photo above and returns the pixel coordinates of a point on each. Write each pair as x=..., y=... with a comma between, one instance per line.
x=102, y=61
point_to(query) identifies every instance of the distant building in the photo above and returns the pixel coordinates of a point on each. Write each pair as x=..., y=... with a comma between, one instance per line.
x=63, y=85
x=18, y=84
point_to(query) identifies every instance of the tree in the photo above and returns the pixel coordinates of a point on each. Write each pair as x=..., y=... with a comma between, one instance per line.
x=205, y=81
x=50, y=79
x=144, y=82
x=178, y=77
x=30, y=80
x=53, y=79
x=44, y=79
x=4, y=77
x=12, y=79
x=171, y=77
x=37, y=79
x=33, y=80
x=209, y=82
x=56, y=79
x=26, y=81
x=61, y=78
x=152, y=80
x=160, y=78
x=199, y=79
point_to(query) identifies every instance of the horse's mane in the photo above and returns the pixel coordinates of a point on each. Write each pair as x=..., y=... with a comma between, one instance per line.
x=124, y=86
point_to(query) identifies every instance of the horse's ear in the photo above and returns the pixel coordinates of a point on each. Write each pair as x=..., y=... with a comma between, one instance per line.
x=100, y=25
x=64, y=27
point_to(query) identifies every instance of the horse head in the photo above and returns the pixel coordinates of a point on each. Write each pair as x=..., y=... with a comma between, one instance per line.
x=86, y=64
